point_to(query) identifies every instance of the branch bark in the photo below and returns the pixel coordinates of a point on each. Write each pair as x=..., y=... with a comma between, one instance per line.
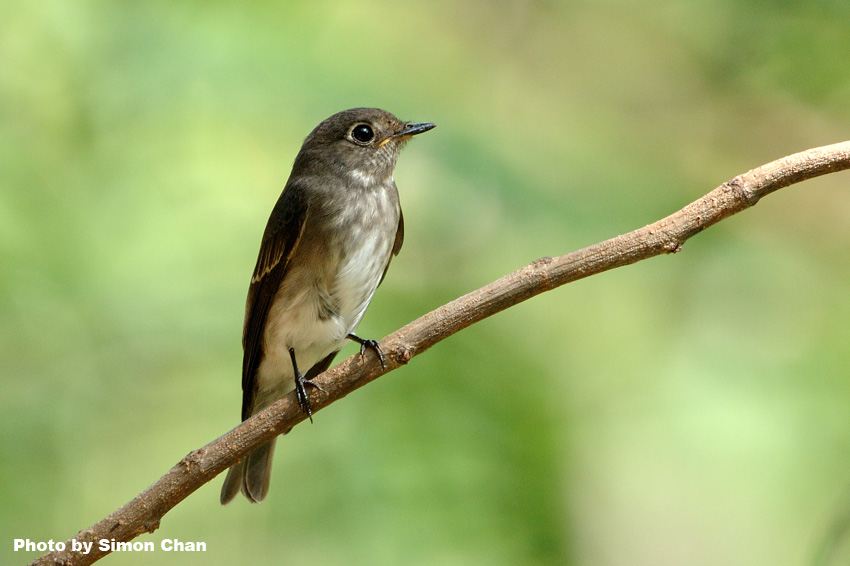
x=144, y=512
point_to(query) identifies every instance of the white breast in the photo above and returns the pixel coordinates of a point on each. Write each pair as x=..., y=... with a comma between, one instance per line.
x=295, y=321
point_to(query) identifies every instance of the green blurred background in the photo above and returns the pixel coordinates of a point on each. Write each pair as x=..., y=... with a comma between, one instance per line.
x=691, y=409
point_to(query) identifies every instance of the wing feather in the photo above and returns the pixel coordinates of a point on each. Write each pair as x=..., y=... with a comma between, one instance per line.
x=280, y=239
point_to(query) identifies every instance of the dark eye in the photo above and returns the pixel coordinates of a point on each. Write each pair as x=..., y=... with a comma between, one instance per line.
x=362, y=133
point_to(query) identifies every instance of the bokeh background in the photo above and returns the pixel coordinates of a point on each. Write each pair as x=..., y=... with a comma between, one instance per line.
x=690, y=409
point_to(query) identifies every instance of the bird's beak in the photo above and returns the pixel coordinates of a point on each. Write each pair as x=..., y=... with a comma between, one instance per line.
x=413, y=129
x=408, y=131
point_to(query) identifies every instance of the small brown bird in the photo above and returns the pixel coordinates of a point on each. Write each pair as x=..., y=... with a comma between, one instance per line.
x=325, y=250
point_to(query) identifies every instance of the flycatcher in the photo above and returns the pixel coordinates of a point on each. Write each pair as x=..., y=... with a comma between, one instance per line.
x=325, y=250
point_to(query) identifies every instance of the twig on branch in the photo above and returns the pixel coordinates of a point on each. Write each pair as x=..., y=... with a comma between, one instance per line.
x=145, y=511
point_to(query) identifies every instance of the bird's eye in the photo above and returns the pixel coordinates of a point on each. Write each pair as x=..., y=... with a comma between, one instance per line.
x=362, y=133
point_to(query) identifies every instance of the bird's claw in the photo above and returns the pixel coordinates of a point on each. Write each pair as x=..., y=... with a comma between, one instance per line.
x=301, y=394
x=369, y=345
x=375, y=347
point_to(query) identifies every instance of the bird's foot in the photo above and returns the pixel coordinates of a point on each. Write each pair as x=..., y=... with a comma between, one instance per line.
x=301, y=393
x=369, y=345
x=301, y=390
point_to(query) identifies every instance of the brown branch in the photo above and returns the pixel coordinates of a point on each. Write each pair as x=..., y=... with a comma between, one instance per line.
x=144, y=513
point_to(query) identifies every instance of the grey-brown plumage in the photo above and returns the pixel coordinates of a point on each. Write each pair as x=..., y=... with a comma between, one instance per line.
x=325, y=250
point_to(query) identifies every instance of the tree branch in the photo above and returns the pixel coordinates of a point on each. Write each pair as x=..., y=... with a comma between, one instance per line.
x=667, y=235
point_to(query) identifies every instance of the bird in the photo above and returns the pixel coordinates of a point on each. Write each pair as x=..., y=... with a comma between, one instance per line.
x=324, y=252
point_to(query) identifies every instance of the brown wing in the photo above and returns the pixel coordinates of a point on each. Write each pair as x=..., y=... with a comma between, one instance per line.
x=399, y=235
x=399, y=240
x=283, y=232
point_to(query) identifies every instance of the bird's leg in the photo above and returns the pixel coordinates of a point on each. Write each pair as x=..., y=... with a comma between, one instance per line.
x=370, y=345
x=300, y=391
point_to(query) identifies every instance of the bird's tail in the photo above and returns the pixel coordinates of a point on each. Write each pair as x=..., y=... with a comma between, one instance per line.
x=251, y=475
